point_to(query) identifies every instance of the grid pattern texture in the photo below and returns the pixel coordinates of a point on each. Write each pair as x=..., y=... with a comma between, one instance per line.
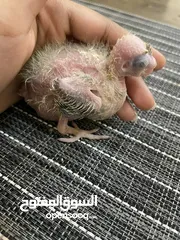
x=135, y=174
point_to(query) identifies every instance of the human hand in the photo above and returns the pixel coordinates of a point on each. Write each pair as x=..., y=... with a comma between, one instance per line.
x=31, y=23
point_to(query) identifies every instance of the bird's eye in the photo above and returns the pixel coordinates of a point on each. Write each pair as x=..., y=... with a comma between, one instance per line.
x=126, y=65
x=140, y=62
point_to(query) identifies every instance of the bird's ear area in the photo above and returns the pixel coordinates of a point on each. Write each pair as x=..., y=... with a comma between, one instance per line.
x=79, y=90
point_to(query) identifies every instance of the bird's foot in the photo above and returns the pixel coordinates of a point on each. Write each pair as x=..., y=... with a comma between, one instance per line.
x=79, y=133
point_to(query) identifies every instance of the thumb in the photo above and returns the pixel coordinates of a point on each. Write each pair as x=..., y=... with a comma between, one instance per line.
x=17, y=16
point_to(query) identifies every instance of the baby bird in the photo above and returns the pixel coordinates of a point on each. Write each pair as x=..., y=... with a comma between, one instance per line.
x=69, y=81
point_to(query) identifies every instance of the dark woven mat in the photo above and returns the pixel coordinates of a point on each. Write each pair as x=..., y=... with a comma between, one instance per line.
x=135, y=174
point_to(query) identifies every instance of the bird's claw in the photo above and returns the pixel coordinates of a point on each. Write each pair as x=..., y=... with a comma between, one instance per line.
x=84, y=134
x=77, y=133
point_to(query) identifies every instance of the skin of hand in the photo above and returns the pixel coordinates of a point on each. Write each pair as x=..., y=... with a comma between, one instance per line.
x=44, y=21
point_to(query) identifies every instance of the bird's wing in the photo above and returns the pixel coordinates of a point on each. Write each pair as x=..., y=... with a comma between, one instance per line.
x=75, y=98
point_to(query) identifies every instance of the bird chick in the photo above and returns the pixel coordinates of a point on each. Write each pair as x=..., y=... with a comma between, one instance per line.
x=69, y=81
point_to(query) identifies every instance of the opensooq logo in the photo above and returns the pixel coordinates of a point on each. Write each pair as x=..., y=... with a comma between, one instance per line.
x=64, y=203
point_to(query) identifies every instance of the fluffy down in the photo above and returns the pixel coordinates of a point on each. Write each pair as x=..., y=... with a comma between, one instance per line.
x=71, y=81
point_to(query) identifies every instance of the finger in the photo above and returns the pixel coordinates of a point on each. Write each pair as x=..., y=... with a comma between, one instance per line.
x=139, y=93
x=34, y=6
x=17, y=16
x=127, y=112
x=86, y=24
x=161, y=60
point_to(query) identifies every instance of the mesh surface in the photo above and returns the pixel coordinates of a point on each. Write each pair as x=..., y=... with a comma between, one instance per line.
x=135, y=174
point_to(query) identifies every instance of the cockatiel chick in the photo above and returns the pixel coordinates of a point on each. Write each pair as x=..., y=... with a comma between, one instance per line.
x=69, y=81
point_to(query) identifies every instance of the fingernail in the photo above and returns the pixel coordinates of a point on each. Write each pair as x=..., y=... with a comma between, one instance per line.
x=155, y=105
x=134, y=120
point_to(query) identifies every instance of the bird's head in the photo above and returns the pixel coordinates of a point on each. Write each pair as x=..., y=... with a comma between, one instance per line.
x=132, y=57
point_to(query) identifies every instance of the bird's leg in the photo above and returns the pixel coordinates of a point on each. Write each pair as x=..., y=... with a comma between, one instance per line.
x=78, y=133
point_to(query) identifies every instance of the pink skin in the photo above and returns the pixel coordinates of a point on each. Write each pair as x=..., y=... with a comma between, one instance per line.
x=91, y=78
x=122, y=57
x=127, y=49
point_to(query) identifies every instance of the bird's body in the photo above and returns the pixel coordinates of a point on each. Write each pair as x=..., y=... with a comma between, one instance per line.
x=52, y=73
x=72, y=81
